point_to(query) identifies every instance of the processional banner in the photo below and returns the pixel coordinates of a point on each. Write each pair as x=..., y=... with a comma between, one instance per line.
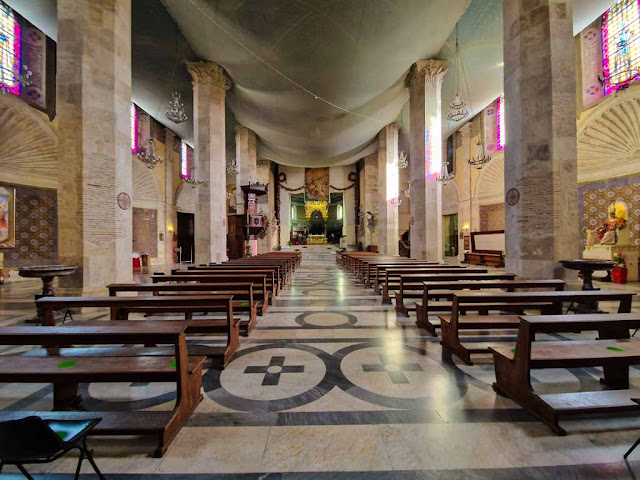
x=316, y=184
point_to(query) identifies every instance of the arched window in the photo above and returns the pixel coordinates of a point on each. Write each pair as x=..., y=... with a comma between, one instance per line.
x=620, y=45
x=9, y=50
x=502, y=133
x=134, y=129
x=184, y=159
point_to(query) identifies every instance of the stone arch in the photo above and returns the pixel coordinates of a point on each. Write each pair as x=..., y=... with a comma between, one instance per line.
x=609, y=138
x=28, y=145
x=490, y=184
x=186, y=197
x=146, y=188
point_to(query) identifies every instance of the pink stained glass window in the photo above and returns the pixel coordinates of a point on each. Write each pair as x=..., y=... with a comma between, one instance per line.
x=501, y=132
x=621, y=45
x=134, y=129
x=9, y=50
x=184, y=159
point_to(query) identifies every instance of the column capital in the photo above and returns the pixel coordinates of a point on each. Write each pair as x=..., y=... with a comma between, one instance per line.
x=391, y=127
x=208, y=73
x=240, y=129
x=430, y=70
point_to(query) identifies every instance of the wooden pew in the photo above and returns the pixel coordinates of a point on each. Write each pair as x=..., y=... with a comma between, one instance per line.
x=368, y=266
x=613, y=352
x=261, y=289
x=392, y=281
x=242, y=295
x=380, y=273
x=273, y=282
x=285, y=265
x=373, y=270
x=121, y=307
x=450, y=326
x=444, y=290
x=66, y=372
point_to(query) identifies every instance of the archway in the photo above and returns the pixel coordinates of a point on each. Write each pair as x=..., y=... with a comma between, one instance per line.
x=316, y=223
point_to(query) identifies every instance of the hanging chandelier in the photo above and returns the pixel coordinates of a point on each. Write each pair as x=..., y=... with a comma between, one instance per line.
x=176, y=112
x=23, y=79
x=232, y=166
x=407, y=192
x=481, y=158
x=402, y=160
x=148, y=156
x=458, y=107
x=193, y=180
x=445, y=177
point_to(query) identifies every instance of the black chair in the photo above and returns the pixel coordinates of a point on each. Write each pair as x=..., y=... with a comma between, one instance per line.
x=34, y=440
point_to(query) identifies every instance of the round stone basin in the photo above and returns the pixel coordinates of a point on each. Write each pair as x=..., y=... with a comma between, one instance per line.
x=46, y=271
x=587, y=264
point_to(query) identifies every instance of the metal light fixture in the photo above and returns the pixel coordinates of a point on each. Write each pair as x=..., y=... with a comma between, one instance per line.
x=445, y=177
x=148, y=156
x=481, y=159
x=458, y=107
x=407, y=192
x=193, y=181
x=402, y=160
x=176, y=112
x=232, y=166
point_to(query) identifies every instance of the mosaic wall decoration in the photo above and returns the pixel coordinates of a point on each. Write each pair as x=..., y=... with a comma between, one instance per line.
x=36, y=228
x=594, y=200
x=145, y=231
x=492, y=217
x=591, y=54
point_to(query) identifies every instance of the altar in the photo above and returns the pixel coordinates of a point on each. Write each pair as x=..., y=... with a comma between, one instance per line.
x=317, y=240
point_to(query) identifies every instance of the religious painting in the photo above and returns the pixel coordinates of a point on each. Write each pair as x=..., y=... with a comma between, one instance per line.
x=7, y=218
x=316, y=184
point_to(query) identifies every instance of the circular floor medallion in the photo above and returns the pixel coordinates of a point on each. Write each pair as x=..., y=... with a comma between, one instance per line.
x=326, y=320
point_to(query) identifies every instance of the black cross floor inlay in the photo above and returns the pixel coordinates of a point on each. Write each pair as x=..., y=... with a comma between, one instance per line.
x=273, y=371
x=394, y=370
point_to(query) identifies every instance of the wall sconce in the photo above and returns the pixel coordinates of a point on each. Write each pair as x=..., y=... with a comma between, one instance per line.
x=465, y=227
x=170, y=229
x=161, y=236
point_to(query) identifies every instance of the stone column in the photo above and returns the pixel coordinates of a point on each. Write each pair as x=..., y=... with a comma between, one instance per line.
x=94, y=151
x=210, y=83
x=425, y=85
x=463, y=179
x=264, y=207
x=540, y=153
x=246, y=159
x=388, y=184
x=370, y=195
x=171, y=167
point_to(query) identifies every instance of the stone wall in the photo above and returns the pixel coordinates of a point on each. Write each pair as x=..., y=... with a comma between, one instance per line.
x=492, y=217
x=36, y=225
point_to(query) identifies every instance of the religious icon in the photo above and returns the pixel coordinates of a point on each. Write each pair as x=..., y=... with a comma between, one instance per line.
x=7, y=218
x=608, y=232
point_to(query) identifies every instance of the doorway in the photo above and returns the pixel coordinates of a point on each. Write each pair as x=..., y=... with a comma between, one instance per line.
x=186, y=236
x=450, y=234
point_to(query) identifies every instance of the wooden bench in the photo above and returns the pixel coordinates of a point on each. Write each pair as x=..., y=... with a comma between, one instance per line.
x=242, y=295
x=613, y=352
x=393, y=277
x=488, y=259
x=262, y=291
x=380, y=275
x=444, y=291
x=373, y=270
x=550, y=303
x=120, y=308
x=273, y=282
x=65, y=373
x=284, y=267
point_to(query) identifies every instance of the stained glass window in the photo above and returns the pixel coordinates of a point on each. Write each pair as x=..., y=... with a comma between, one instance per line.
x=502, y=133
x=184, y=159
x=9, y=50
x=620, y=45
x=134, y=129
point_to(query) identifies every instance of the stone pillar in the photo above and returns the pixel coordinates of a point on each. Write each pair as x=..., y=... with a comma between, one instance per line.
x=370, y=195
x=540, y=154
x=425, y=85
x=171, y=167
x=264, y=207
x=463, y=180
x=210, y=83
x=246, y=159
x=94, y=122
x=389, y=185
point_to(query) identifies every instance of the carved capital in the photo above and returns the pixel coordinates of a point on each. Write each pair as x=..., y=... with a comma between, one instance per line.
x=208, y=73
x=429, y=70
x=263, y=162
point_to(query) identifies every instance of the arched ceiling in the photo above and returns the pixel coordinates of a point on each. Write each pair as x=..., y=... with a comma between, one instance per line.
x=353, y=53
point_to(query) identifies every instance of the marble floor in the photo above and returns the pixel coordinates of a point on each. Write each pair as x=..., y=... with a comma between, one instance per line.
x=332, y=384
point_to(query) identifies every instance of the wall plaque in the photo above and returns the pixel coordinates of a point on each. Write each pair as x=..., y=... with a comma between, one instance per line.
x=124, y=201
x=513, y=196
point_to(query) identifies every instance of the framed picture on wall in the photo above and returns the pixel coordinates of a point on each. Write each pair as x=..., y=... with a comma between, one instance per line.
x=7, y=217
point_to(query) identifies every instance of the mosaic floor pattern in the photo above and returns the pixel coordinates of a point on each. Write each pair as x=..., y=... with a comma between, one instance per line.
x=332, y=384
